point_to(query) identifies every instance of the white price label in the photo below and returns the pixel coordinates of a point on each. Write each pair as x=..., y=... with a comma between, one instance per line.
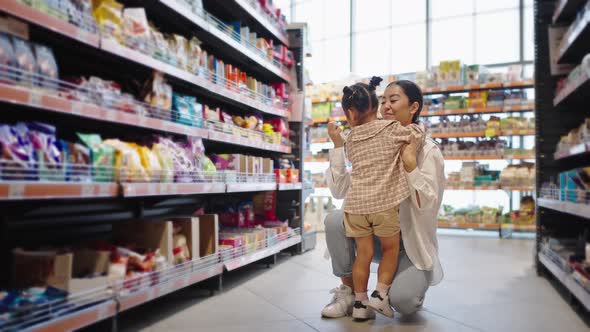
x=16, y=190
x=35, y=98
x=77, y=108
x=87, y=190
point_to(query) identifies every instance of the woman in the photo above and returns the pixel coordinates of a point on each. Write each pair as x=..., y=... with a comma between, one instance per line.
x=418, y=264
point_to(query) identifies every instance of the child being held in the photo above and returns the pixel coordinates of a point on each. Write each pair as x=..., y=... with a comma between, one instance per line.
x=378, y=187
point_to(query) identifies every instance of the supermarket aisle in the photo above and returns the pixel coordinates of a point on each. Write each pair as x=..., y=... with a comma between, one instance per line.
x=490, y=285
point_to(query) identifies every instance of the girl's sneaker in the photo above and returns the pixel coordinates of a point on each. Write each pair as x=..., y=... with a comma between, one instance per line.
x=381, y=304
x=361, y=311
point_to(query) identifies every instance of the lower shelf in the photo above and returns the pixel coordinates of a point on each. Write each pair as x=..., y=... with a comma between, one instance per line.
x=238, y=262
x=78, y=319
x=577, y=209
x=567, y=280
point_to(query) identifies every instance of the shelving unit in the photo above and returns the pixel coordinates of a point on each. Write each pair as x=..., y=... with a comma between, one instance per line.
x=562, y=212
x=62, y=212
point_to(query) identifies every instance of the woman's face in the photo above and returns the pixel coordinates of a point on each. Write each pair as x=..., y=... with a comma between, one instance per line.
x=395, y=105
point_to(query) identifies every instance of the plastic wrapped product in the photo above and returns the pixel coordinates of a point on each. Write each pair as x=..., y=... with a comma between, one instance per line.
x=25, y=61
x=7, y=59
x=136, y=29
x=194, y=55
x=197, y=111
x=183, y=165
x=158, y=93
x=128, y=167
x=183, y=111
x=48, y=69
x=108, y=14
x=166, y=162
x=150, y=162
x=180, y=47
x=47, y=153
x=77, y=159
x=18, y=159
x=102, y=157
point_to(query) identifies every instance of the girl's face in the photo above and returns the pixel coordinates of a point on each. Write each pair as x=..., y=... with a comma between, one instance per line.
x=395, y=105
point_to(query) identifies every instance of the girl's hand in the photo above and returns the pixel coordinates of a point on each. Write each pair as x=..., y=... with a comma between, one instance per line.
x=335, y=133
x=409, y=153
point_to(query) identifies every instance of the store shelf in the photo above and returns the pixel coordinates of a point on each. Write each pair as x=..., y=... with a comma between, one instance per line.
x=444, y=224
x=326, y=100
x=505, y=188
x=238, y=262
x=524, y=132
x=575, y=47
x=210, y=25
x=78, y=319
x=174, y=283
x=577, y=209
x=39, y=18
x=331, y=119
x=157, y=189
x=320, y=140
x=576, y=150
x=491, y=157
x=49, y=101
x=248, y=187
x=216, y=90
x=19, y=190
x=567, y=280
x=519, y=228
x=485, y=86
x=574, y=90
x=566, y=10
x=484, y=110
x=289, y=186
x=246, y=9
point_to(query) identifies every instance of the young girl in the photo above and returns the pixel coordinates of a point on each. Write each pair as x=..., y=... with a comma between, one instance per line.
x=378, y=186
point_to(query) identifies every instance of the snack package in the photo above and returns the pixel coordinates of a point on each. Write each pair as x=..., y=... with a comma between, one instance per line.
x=136, y=29
x=7, y=59
x=209, y=169
x=47, y=154
x=128, y=167
x=194, y=55
x=182, y=111
x=180, y=49
x=150, y=162
x=183, y=165
x=157, y=93
x=18, y=158
x=196, y=109
x=102, y=157
x=108, y=14
x=160, y=45
x=25, y=61
x=77, y=159
x=47, y=67
x=166, y=162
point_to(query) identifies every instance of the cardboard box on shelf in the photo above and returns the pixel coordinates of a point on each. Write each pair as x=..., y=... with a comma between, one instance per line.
x=153, y=235
x=90, y=262
x=267, y=166
x=42, y=268
x=208, y=234
x=189, y=229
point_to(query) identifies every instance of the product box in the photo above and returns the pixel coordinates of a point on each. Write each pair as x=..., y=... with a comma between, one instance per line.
x=267, y=166
x=90, y=262
x=147, y=234
x=41, y=268
x=281, y=175
x=189, y=229
x=254, y=165
x=208, y=234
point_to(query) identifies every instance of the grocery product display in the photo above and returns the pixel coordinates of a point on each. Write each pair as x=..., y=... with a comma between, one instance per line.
x=563, y=176
x=159, y=155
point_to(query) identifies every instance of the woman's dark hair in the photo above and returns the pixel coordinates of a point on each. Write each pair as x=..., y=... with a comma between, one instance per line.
x=361, y=96
x=414, y=94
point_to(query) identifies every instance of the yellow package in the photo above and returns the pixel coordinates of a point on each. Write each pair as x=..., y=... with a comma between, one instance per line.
x=150, y=162
x=109, y=16
x=166, y=162
x=128, y=166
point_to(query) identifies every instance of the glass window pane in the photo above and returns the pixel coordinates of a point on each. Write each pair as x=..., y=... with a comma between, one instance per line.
x=529, y=34
x=497, y=43
x=372, y=16
x=446, y=8
x=408, y=49
x=336, y=63
x=336, y=25
x=312, y=13
x=452, y=39
x=314, y=64
x=487, y=5
x=372, y=53
x=403, y=11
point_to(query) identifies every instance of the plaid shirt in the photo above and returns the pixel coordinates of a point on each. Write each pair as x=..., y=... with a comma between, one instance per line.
x=378, y=178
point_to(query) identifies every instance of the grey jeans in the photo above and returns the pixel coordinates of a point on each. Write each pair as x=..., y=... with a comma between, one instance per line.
x=409, y=285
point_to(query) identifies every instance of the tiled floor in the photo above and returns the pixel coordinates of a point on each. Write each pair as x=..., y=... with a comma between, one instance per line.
x=489, y=285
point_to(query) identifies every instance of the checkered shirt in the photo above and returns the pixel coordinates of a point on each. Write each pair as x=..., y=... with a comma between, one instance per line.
x=378, y=181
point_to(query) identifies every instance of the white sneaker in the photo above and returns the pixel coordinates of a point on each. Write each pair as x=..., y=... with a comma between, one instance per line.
x=341, y=304
x=381, y=304
x=361, y=311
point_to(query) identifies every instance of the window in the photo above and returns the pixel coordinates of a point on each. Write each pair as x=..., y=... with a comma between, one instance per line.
x=371, y=15
x=408, y=48
x=445, y=8
x=497, y=37
x=529, y=34
x=452, y=39
x=372, y=53
x=406, y=12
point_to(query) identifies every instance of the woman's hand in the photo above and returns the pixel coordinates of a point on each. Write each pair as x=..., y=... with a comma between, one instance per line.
x=409, y=153
x=335, y=133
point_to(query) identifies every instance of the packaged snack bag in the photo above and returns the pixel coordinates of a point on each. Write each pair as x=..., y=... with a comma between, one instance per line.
x=194, y=54
x=102, y=157
x=182, y=110
x=108, y=14
x=77, y=159
x=47, y=67
x=150, y=162
x=166, y=162
x=179, y=46
x=136, y=29
x=128, y=167
x=7, y=59
x=18, y=159
x=183, y=165
x=157, y=92
x=25, y=61
x=196, y=109
x=47, y=154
